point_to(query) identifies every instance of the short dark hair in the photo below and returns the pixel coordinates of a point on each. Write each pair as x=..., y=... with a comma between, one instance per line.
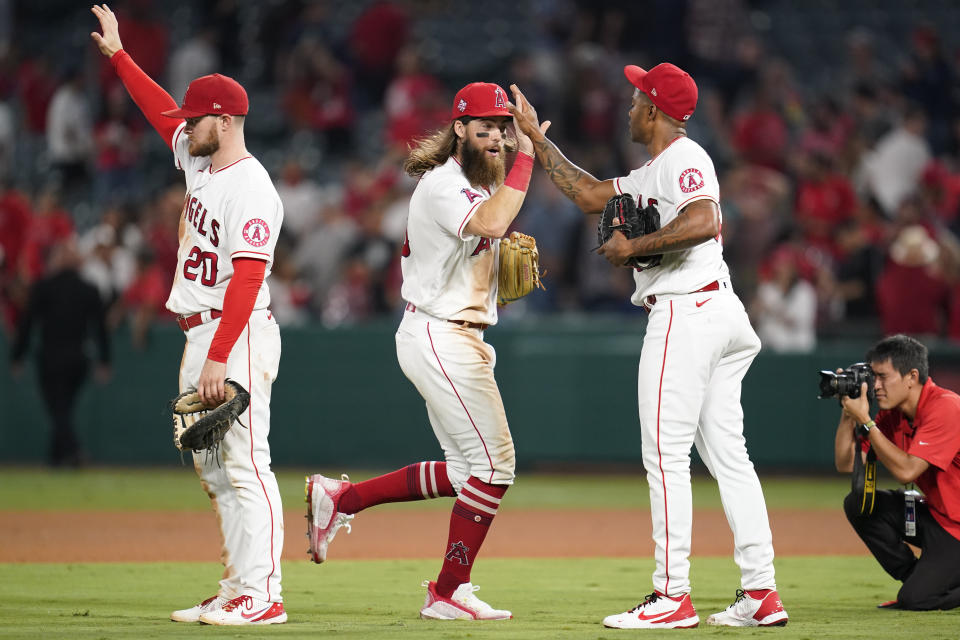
x=905, y=353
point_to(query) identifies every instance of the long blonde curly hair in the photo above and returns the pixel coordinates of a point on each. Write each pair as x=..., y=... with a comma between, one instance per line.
x=433, y=150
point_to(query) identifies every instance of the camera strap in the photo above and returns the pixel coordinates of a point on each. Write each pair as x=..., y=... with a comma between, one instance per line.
x=864, y=478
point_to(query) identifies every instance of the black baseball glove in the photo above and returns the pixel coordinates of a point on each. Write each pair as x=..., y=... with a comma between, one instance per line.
x=196, y=426
x=621, y=214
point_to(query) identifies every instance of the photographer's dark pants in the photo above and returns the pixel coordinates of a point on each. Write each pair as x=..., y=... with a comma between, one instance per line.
x=930, y=582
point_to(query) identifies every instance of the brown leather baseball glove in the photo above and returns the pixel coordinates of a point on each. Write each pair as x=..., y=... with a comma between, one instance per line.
x=519, y=271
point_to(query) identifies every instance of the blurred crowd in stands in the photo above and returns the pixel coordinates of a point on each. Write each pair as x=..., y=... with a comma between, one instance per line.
x=838, y=149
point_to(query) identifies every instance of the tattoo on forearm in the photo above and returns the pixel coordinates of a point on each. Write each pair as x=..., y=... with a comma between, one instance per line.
x=682, y=233
x=563, y=172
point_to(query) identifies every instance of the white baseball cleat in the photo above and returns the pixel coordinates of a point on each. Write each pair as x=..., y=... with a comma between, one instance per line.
x=323, y=518
x=461, y=605
x=752, y=612
x=246, y=610
x=657, y=611
x=193, y=613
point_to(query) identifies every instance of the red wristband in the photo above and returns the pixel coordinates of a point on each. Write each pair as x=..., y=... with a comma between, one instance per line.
x=519, y=176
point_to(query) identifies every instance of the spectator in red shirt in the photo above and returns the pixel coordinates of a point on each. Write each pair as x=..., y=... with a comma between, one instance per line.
x=160, y=225
x=144, y=299
x=117, y=141
x=317, y=93
x=915, y=436
x=51, y=225
x=15, y=215
x=14, y=223
x=377, y=36
x=415, y=102
x=825, y=198
x=760, y=134
x=911, y=291
x=36, y=84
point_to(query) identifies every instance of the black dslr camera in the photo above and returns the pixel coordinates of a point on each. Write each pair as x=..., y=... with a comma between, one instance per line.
x=847, y=382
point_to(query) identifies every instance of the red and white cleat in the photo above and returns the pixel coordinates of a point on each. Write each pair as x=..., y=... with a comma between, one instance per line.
x=323, y=518
x=246, y=610
x=193, y=613
x=747, y=611
x=461, y=605
x=657, y=611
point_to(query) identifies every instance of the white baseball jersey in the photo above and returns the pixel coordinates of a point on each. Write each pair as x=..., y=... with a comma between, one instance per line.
x=696, y=350
x=682, y=173
x=233, y=212
x=447, y=272
x=229, y=213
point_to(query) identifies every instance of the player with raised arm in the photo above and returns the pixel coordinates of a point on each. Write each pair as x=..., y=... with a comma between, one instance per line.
x=228, y=231
x=459, y=210
x=697, y=348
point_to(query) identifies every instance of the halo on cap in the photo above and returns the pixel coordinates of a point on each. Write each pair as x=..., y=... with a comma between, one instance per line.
x=480, y=100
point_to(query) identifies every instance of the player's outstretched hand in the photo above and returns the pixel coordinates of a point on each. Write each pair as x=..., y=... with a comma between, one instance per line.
x=525, y=120
x=109, y=43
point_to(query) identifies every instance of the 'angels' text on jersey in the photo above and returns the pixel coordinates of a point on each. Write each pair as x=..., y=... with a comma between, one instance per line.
x=196, y=214
x=233, y=212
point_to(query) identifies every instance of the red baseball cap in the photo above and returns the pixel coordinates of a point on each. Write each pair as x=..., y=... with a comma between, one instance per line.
x=212, y=95
x=480, y=100
x=668, y=86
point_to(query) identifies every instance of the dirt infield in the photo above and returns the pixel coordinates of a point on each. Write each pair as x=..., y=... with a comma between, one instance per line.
x=85, y=536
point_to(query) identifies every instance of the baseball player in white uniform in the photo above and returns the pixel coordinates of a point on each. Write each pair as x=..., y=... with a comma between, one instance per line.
x=459, y=210
x=697, y=348
x=228, y=230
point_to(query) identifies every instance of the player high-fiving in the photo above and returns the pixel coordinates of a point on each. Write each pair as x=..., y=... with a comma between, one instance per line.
x=696, y=351
x=229, y=225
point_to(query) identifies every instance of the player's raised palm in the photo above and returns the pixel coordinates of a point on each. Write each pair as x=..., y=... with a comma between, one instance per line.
x=525, y=120
x=109, y=43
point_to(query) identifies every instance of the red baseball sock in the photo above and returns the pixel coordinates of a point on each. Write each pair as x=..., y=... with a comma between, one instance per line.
x=419, y=481
x=758, y=594
x=472, y=514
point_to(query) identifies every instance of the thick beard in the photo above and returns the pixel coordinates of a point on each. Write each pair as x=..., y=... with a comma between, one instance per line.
x=479, y=168
x=205, y=148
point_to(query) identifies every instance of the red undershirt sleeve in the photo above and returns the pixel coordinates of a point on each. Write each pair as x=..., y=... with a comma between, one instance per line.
x=238, y=301
x=149, y=96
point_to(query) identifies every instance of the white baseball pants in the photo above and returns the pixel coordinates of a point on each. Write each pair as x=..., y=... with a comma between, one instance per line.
x=452, y=368
x=239, y=481
x=696, y=351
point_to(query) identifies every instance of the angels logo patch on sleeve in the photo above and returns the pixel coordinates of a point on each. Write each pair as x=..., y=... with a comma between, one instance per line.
x=471, y=195
x=691, y=180
x=256, y=232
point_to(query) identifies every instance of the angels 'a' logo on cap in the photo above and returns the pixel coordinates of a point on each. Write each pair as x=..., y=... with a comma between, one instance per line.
x=462, y=105
x=500, y=98
x=256, y=232
x=691, y=180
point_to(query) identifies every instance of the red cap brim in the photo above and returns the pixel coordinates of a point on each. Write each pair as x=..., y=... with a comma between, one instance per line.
x=635, y=75
x=492, y=113
x=182, y=113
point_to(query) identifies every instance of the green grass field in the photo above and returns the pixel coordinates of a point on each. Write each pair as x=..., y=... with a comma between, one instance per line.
x=826, y=597
x=177, y=488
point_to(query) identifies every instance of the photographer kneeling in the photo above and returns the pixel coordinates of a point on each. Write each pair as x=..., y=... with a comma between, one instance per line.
x=916, y=436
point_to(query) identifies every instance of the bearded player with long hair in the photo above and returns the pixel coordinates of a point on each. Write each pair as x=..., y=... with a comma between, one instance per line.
x=461, y=207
